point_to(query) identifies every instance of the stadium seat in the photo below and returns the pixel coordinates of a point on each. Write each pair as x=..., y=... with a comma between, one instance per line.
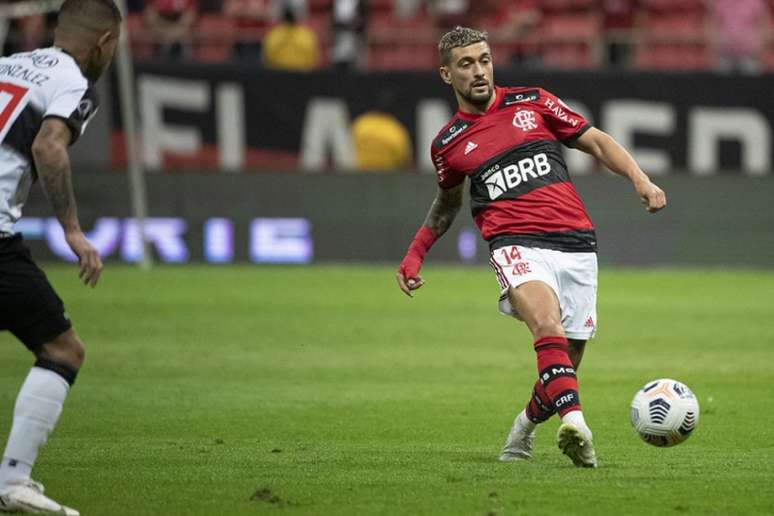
x=320, y=7
x=570, y=41
x=565, y=6
x=320, y=23
x=674, y=36
x=678, y=27
x=142, y=46
x=401, y=57
x=401, y=44
x=381, y=6
x=768, y=57
x=672, y=56
x=214, y=39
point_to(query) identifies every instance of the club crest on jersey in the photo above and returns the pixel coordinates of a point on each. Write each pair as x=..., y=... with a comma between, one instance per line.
x=525, y=120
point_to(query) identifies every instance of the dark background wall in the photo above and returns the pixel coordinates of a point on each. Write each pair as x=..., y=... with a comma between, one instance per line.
x=236, y=117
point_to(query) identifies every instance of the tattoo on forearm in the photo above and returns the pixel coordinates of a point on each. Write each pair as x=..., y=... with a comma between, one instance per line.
x=58, y=185
x=445, y=207
x=53, y=167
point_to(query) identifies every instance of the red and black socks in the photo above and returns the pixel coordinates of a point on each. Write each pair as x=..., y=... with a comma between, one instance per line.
x=556, y=375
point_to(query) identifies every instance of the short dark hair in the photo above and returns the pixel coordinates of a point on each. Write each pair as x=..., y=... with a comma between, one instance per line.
x=458, y=37
x=92, y=14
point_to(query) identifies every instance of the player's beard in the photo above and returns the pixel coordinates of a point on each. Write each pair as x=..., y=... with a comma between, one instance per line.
x=478, y=99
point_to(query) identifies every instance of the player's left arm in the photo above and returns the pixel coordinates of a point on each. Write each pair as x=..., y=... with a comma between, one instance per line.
x=611, y=154
x=446, y=205
x=52, y=162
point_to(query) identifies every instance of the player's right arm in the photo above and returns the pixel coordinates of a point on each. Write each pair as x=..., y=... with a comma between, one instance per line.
x=52, y=162
x=608, y=151
x=444, y=209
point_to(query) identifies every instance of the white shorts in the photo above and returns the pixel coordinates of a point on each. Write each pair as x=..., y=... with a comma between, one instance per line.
x=572, y=276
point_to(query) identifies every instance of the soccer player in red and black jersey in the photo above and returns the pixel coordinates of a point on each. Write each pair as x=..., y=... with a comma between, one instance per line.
x=507, y=143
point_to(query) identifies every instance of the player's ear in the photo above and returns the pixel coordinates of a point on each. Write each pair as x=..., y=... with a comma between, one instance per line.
x=104, y=38
x=445, y=74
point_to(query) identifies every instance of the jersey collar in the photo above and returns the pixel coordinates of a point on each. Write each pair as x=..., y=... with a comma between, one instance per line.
x=72, y=57
x=492, y=108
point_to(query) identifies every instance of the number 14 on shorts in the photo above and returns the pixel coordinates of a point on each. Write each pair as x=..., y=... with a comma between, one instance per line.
x=511, y=257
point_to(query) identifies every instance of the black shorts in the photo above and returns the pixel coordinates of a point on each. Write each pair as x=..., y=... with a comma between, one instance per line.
x=29, y=307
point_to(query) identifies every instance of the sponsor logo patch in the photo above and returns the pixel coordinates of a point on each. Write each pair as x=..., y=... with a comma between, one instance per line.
x=451, y=133
x=561, y=114
x=567, y=398
x=525, y=96
x=502, y=180
x=470, y=147
x=85, y=109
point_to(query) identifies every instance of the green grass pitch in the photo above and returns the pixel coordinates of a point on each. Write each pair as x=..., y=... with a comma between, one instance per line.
x=324, y=390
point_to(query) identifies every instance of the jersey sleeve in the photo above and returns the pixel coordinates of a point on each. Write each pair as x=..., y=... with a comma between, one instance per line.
x=446, y=176
x=560, y=119
x=76, y=106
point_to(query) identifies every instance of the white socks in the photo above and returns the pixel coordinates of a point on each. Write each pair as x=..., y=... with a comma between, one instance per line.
x=576, y=418
x=37, y=410
x=525, y=422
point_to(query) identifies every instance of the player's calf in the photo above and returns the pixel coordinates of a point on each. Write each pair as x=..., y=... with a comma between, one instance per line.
x=38, y=407
x=540, y=407
x=557, y=374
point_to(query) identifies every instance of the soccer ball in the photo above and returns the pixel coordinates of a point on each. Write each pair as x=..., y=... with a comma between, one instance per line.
x=664, y=412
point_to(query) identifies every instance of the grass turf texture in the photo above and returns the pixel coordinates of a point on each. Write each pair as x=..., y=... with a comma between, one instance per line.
x=323, y=390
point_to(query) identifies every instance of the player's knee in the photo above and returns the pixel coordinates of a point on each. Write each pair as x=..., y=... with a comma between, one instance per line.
x=78, y=351
x=66, y=349
x=548, y=327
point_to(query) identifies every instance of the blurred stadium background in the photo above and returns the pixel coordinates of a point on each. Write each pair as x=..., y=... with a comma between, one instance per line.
x=297, y=132
x=261, y=135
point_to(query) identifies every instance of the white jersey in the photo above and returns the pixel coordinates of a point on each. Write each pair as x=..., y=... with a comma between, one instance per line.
x=34, y=86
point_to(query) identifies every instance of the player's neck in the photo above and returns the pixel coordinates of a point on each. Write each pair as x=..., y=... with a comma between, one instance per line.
x=475, y=109
x=74, y=50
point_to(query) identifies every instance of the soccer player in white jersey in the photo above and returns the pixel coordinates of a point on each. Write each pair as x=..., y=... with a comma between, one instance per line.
x=46, y=101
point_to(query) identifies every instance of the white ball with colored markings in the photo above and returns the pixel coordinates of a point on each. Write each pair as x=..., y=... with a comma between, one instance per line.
x=664, y=412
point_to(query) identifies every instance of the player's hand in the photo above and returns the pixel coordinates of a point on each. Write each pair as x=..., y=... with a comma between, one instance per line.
x=651, y=196
x=88, y=257
x=408, y=274
x=409, y=284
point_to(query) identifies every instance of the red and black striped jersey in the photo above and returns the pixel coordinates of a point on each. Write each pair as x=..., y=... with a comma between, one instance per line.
x=520, y=189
